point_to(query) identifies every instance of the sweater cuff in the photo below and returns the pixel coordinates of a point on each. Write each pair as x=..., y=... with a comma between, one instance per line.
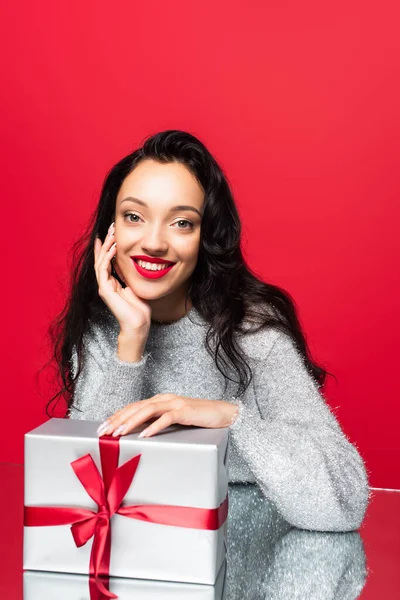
x=124, y=382
x=127, y=364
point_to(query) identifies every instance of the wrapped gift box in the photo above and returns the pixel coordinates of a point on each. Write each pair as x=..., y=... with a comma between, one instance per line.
x=41, y=585
x=182, y=470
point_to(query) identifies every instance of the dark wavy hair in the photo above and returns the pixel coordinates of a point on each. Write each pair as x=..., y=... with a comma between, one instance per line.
x=222, y=288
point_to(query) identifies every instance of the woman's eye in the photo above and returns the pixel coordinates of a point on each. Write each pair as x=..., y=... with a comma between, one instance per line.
x=131, y=215
x=185, y=221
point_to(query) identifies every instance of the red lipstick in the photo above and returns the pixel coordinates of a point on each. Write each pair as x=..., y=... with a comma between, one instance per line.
x=159, y=261
x=152, y=274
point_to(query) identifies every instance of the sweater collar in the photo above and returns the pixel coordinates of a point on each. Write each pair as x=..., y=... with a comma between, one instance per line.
x=185, y=330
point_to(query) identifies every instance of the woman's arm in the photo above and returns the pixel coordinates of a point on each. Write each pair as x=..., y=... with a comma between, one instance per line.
x=298, y=453
x=106, y=383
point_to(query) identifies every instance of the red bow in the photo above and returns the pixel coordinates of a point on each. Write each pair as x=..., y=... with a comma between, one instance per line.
x=108, y=493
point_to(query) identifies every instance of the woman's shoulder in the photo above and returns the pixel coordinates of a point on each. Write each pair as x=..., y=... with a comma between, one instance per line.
x=260, y=332
x=258, y=343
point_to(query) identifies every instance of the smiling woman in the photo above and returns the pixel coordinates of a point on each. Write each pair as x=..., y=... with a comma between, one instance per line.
x=165, y=318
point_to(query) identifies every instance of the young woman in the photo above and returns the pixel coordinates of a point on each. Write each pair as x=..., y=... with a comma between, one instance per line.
x=166, y=324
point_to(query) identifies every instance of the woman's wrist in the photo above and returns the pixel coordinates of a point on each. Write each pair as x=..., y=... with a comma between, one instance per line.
x=130, y=348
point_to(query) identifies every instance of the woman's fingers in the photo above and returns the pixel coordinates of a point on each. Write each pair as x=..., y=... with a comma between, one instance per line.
x=123, y=413
x=167, y=419
x=104, y=254
x=103, y=260
x=104, y=269
x=155, y=409
x=166, y=413
x=138, y=413
x=96, y=248
x=102, y=247
x=119, y=417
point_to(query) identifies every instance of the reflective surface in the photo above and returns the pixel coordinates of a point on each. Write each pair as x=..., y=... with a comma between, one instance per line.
x=266, y=558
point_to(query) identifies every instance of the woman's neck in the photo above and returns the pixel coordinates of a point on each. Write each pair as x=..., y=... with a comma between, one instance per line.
x=169, y=313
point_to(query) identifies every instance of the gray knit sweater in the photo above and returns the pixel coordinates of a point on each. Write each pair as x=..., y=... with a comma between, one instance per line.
x=285, y=438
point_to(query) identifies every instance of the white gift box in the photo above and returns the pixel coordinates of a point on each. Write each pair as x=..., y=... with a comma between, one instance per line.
x=41, y=585
x=181, y=466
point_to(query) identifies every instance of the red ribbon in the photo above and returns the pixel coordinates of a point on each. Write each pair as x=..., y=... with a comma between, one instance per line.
x=108, y=493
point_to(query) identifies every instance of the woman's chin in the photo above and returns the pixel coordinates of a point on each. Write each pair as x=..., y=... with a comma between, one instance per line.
x=146, y=291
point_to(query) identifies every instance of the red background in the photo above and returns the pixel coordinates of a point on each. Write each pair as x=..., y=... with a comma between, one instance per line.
x=299, y=102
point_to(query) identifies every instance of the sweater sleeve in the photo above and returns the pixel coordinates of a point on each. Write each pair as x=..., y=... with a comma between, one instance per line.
x=298, y=453
x=106, y=383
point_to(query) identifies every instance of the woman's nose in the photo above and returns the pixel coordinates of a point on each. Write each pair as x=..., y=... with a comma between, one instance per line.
x=154, y=241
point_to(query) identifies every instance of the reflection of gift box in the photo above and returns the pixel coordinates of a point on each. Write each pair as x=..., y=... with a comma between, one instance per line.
x=40, y=585
x=162, y=515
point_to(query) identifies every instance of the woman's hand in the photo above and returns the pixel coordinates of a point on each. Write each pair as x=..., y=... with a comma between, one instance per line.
x=132, y=313
x=169, y=409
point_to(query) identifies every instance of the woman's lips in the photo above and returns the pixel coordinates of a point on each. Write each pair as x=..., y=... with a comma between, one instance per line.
x=152, y=274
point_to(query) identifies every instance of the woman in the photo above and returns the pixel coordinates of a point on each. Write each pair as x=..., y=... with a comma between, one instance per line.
x=165, y=318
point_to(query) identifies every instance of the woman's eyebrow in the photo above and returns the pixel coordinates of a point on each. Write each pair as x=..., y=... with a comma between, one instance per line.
x=173, y=209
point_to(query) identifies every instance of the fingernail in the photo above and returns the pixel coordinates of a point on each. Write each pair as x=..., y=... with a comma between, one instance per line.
x=103, y=427
x=144, y=433
x=111, y=227
x=119, y=430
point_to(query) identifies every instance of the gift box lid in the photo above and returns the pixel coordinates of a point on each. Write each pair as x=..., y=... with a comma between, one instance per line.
x=174, y=434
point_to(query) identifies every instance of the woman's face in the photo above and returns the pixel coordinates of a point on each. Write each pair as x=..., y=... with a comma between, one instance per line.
x=158, y=215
